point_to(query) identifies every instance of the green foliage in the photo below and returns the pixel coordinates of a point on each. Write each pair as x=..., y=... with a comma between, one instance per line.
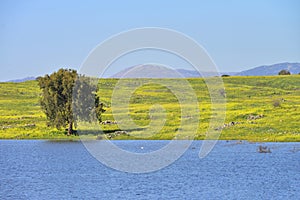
x=284, y=72
x=86, y=103
x=56, y=100
x=67, y=97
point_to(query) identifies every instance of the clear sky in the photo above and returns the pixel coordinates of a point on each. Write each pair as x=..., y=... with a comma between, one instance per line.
x=39, y=37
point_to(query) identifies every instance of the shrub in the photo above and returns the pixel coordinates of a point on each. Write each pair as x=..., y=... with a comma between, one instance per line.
x=284, y=72
x=276, y=103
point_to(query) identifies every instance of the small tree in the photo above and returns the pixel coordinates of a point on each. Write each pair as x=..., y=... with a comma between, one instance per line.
x=57, y=98
x=284, y=72
x=225, y=75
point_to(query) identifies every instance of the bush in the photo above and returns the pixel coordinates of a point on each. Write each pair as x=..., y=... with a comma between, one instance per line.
x=276, y=103
x=284, y=72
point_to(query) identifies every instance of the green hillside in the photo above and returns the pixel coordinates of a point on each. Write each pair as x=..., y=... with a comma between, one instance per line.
x=262, y=109
x=20, y=114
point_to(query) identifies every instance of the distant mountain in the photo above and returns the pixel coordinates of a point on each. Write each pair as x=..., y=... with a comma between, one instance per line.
x=22, y=80
x=147, y=71
x=193, y=73
x=156, y=71
x=267, y=70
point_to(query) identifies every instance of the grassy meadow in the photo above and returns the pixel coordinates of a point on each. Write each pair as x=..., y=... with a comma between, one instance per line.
x=261, y=109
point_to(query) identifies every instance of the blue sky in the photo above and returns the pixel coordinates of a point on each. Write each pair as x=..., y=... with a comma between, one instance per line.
x=39, y=37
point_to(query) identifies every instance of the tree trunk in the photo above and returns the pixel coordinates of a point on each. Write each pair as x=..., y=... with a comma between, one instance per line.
x=70, y=129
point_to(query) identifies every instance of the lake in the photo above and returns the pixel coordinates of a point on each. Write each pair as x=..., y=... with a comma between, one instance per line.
x=40, y=169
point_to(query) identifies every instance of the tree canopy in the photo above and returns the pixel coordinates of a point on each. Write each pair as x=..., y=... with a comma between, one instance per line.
x=68, y=97
x=284, y=72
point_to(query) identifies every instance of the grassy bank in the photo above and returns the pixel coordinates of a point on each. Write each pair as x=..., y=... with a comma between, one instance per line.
x=262, y=109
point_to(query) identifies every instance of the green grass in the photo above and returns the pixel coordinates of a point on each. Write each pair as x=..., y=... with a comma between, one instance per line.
x=277, y=98
x=20, y=114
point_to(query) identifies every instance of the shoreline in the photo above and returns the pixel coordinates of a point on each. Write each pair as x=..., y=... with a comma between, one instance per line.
x=78, y=139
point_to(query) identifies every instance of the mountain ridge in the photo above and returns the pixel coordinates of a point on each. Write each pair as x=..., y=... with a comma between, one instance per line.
x=269, y=70
x=264, y=70
x=29, y=78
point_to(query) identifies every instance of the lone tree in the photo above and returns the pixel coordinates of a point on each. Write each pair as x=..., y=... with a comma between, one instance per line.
x=58, y=95
x=284, y=72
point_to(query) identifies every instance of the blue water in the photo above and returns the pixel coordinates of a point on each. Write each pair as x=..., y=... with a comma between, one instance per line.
x=65, y=170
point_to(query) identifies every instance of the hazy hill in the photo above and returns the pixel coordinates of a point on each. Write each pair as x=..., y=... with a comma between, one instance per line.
x=147, y=71
x=153, y=71
x=156, y=71
x=22, y=80
x=266, y=70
